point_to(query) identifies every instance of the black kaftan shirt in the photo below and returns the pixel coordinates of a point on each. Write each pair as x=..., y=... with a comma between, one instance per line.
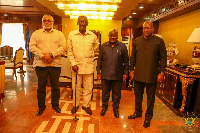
x=149, y=57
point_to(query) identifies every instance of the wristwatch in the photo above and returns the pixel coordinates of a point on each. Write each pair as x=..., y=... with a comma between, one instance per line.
x=51, y=55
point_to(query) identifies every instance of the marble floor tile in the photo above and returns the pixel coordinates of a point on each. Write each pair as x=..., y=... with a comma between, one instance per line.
x=18, y=112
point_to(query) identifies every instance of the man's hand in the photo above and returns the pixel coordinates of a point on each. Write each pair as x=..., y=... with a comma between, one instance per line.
x=50, y=60
x=99, y=77
x=75, y=68
x=47, y=57
x=131, y=74
x=125, y=77
x=160, y=77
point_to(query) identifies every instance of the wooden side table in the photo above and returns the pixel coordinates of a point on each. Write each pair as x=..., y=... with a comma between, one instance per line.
x=180, y=90
x=2, y=80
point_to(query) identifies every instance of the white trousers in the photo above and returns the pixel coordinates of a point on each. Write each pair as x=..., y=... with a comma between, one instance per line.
x=87, y=81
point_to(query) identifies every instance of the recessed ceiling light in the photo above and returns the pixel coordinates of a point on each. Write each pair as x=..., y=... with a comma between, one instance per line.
x=163, y=9
x=130, y=16
x=134, y=13
x=141, y=7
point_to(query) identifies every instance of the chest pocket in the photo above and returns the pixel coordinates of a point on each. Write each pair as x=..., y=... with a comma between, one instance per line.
x=55, y=40
x=41, y=40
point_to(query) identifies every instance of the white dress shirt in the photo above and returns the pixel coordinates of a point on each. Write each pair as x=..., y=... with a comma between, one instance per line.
x=81, y=50
x=47, y=42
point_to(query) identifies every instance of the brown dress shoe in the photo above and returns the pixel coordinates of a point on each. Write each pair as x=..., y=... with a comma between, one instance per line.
x=74, y=110
x=87, y=110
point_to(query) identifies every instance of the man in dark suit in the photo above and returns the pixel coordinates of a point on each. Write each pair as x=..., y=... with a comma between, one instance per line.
x=148, y=55
x=112, y=69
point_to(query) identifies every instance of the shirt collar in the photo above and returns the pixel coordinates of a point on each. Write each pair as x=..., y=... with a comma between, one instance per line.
x=149, y=37
x=50, y=30
x=115, y=45
x=78, y=32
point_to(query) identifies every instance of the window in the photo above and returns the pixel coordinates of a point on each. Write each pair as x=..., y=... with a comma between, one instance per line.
x=13, y=36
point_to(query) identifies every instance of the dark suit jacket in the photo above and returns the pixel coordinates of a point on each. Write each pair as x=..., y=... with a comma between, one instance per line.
x=148, y=55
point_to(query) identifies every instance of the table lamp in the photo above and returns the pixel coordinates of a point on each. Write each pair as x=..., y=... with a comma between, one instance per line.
x=195, y=38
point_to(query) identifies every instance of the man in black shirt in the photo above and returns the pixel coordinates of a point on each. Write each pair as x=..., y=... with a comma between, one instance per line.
x=148, y=50
x=112, y=69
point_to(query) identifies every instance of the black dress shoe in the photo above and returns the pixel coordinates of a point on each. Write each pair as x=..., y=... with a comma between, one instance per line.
x=40, y=111
x=57, y=109
x=146, y=123
x=103, y=112
x=116, y=112
x=134, y=116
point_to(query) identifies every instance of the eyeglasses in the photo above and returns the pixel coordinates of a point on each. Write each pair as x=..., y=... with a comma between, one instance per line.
x=47, y=20
x=146, y=28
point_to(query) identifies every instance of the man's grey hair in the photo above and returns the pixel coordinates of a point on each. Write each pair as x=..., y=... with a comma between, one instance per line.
x=47, y=16
x=150, y=22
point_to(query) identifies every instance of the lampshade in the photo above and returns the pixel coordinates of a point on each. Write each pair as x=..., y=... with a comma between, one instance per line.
x=195, y=36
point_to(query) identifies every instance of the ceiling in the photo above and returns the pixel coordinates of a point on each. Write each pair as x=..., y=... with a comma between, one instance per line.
x=125, y=8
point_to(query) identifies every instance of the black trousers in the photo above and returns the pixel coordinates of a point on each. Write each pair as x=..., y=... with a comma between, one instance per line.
x=106, y=86
x=139, y=91
x=42, y=74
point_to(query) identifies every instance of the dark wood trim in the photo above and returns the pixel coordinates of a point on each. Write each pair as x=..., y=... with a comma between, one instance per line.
x=2, y=95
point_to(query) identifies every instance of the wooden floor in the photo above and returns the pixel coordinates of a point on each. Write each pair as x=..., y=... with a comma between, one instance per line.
x=18, y=112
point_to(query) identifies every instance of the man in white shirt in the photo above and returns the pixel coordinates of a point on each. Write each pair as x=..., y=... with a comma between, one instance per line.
x=81, y=46
x=47, y=44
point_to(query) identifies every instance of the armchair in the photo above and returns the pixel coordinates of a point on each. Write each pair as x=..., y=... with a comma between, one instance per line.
x=7, y=51
x=17, y=63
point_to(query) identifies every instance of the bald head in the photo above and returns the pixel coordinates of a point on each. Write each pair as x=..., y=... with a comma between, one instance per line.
x=113, y=31
x=113, y=36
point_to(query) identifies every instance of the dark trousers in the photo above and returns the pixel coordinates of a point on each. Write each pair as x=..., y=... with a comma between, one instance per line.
x=106, y=86
x=139, y=91
x=42, y=74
